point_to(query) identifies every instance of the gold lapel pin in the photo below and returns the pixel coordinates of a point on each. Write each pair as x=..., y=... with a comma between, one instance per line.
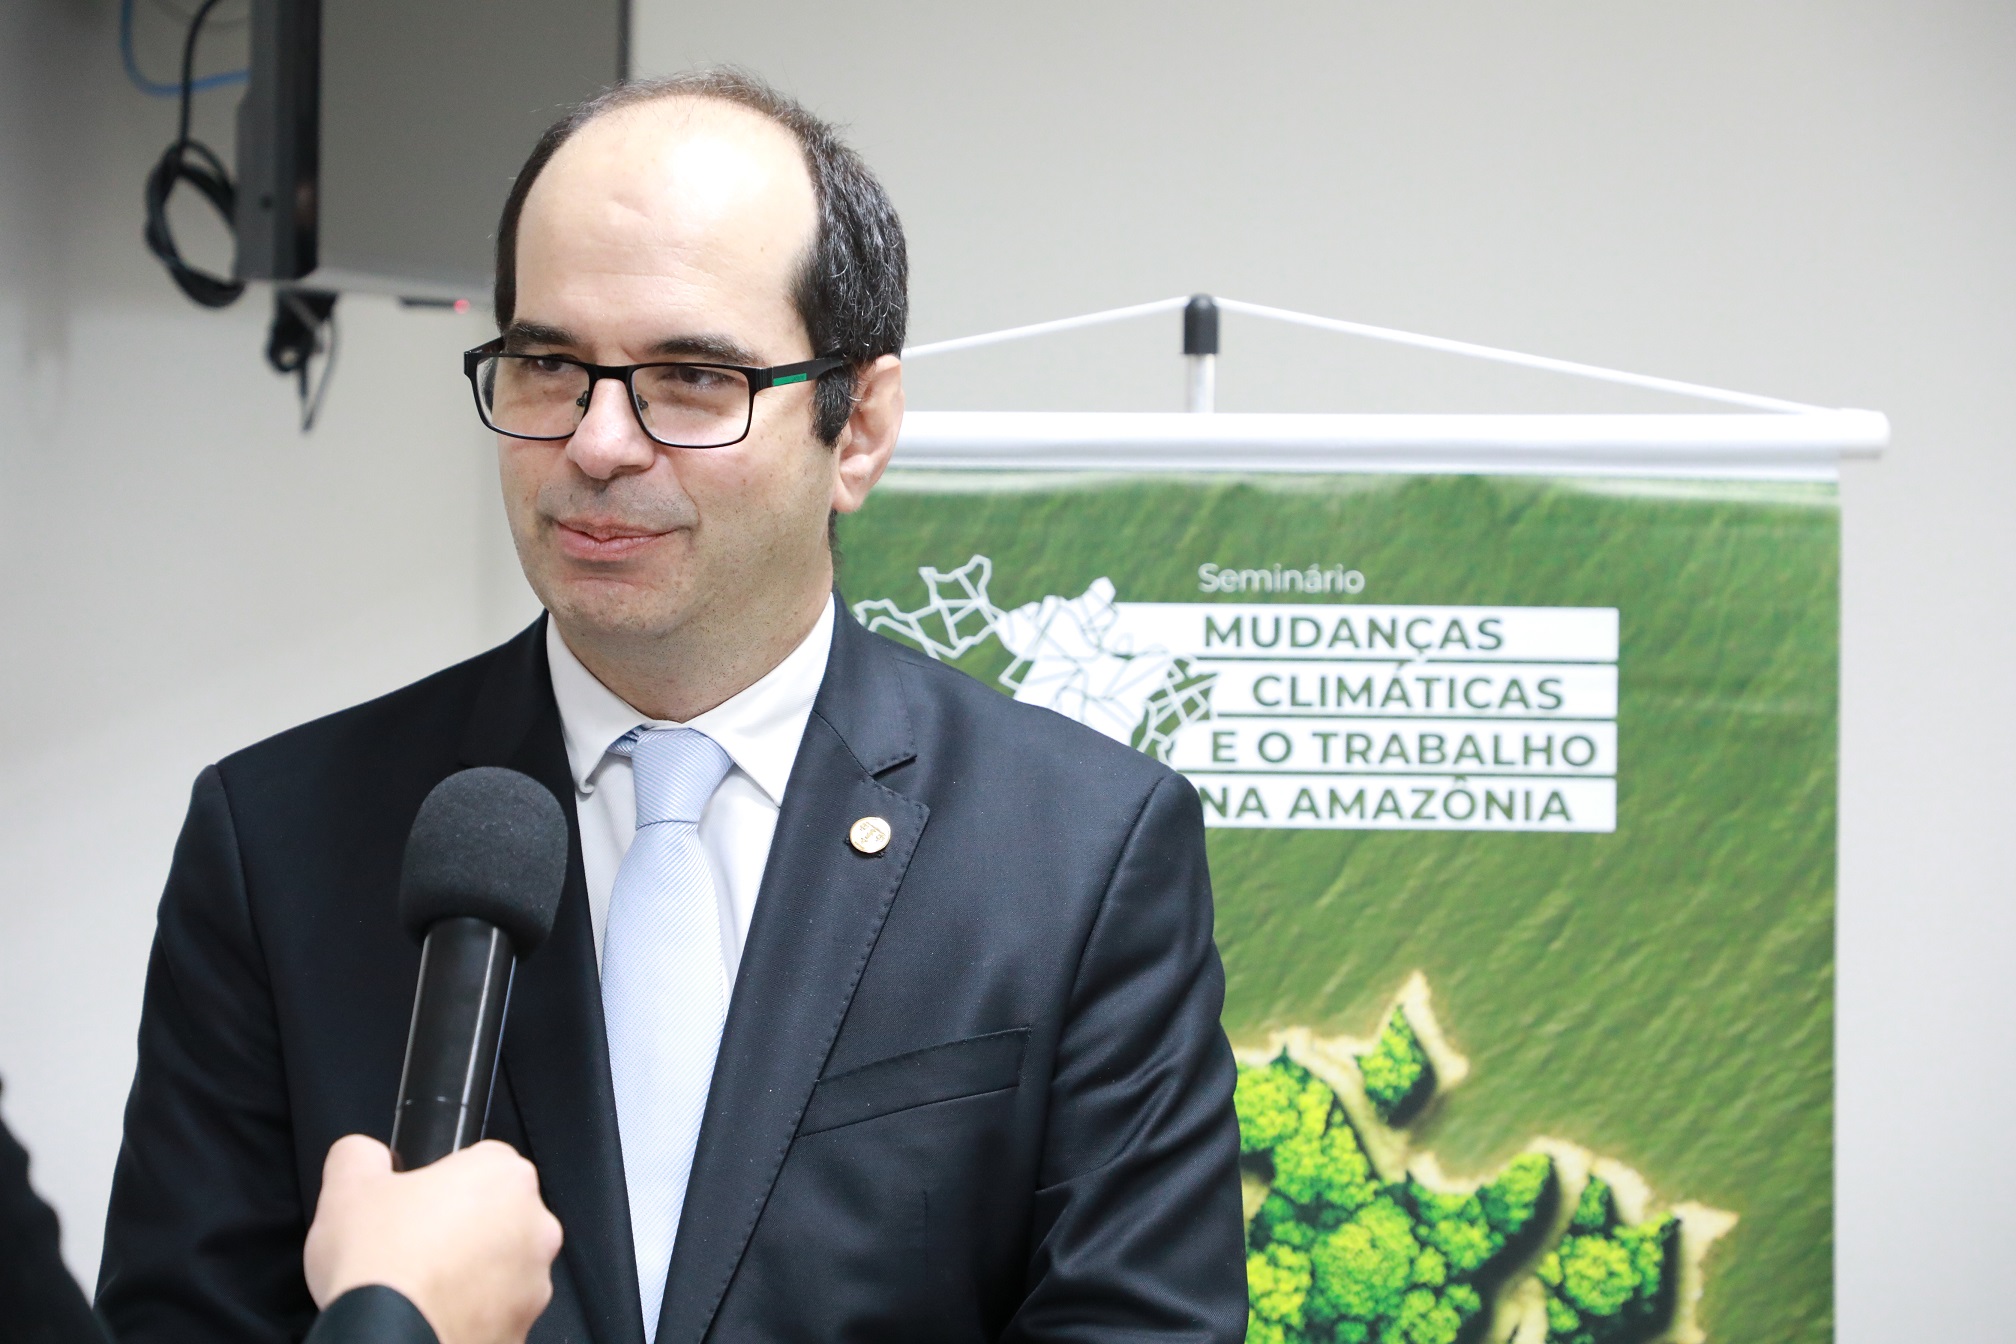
x=870, y=835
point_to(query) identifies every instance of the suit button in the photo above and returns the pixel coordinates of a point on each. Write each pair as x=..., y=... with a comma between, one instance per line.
x=870, y=835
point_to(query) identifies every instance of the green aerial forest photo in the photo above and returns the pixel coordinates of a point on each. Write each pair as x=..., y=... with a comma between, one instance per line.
x=1495, y=1085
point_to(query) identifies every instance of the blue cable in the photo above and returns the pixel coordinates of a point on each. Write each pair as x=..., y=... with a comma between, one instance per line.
x=148, y=86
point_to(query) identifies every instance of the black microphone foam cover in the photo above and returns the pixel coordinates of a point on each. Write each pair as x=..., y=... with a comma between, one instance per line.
x=488, y=844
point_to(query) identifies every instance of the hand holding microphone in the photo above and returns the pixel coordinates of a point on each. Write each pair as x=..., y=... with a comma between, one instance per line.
x=466, y=1240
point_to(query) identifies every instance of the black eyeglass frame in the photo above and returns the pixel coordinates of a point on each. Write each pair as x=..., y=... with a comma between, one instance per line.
x=759, y=380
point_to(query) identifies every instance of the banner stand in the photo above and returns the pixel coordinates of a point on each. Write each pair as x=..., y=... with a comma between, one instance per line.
x=1514, y=738
x=1776, y=439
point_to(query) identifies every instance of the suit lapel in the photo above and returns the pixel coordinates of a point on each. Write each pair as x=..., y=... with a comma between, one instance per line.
x=818, y=914
x=556, y=1056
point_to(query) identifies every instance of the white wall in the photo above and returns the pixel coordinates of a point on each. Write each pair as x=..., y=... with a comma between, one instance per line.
x=185, y=571
x=1812, y=199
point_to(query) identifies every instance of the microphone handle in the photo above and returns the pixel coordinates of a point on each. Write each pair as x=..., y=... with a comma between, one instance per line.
x=451, y=1047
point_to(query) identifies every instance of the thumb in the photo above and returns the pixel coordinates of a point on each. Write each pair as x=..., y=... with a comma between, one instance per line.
x=356, y=1157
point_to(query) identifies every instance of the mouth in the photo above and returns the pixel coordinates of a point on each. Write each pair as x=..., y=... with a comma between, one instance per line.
x=595, y=539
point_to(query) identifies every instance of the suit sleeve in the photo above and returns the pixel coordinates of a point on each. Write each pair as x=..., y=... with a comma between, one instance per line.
x=1138, y=1229
x=204, y=1232
x=39, y=1302
x=373, y=1314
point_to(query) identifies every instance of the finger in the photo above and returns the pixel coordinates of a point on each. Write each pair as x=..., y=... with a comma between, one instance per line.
x=504, y=1163
x=356, y=1157
x=492, y=1155
x=551, y=1237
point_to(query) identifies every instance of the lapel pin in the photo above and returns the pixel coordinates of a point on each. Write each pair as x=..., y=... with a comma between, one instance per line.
x=870, y=835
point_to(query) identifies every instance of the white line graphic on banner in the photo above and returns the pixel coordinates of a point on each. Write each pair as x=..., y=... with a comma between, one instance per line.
x=1316, y=715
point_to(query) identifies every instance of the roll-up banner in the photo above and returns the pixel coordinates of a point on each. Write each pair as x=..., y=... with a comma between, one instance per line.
x=1519, y=791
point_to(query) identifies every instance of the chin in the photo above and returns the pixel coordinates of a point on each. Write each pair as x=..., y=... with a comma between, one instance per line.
x=616, y=610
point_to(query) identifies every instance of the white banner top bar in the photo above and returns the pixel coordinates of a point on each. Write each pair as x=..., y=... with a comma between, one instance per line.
x=1806, y=446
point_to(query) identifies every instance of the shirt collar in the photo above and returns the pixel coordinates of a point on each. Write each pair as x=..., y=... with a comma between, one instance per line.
x=759, y=726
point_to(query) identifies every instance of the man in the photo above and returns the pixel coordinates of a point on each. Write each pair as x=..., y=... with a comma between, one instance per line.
x=456, y=1253
x=905, y=1022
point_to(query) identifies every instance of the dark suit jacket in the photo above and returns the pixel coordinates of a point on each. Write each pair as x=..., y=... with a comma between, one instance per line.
x=970, y=1088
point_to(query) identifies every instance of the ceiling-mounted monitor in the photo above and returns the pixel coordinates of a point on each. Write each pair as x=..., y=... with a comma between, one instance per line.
x=377, y=138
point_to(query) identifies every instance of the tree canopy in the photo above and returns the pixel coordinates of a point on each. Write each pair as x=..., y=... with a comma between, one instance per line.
x=1608, y=1283
x=1398, y=1076
x=1338, y=1256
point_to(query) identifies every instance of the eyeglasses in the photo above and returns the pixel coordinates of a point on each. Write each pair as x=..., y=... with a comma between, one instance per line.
x=679, y=404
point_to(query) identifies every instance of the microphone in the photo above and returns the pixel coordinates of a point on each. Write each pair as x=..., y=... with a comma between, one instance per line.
x=481, y=881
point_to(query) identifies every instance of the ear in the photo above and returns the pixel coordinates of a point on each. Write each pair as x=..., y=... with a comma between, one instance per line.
x=862, y=452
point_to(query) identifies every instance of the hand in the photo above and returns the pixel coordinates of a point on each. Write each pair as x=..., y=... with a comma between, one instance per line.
x=467, y=1239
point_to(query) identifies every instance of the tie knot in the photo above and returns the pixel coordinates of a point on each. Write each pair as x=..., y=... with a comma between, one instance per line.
x=677, y=771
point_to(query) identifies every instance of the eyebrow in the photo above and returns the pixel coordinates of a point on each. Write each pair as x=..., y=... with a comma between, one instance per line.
x=520, y=334
x=722, y=349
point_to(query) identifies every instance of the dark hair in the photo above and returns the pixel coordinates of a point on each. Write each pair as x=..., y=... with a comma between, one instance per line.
x=852, y=290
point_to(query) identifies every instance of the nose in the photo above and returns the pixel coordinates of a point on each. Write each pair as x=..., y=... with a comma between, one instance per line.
x=609, y=441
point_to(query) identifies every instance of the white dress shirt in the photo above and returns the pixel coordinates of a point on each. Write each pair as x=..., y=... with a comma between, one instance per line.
x=759, y=727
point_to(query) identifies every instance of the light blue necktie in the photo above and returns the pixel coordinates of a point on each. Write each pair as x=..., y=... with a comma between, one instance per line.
x=664, y=988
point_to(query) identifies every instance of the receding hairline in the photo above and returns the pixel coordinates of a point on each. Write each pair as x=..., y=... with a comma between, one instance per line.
x=700, y=106
x=643, y=107
x=720, y=113
x=723, y=112
x=640, y=99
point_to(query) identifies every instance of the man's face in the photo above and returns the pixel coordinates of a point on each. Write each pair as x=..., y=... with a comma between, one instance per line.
x=666, y=231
